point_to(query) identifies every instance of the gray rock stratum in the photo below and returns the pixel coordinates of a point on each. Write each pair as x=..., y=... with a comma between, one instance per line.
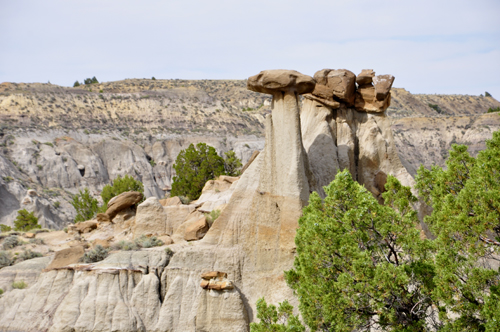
x=59, y=140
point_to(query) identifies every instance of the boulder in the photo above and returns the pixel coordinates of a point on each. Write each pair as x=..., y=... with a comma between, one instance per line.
x=167, y=240
x=277, y=80
x=65, y=257
x=27, y=200
x=122, y=201
x=32, y=193
x=101, y=242
x=365, y=77
x=196, y=230
x=171, y=201
x=328, y=102
x=150, y=218
x=338, y=84
x=86, y=226
x=176, y=215
x=366, y=100
x=29, y=235
x=102, y=217
x=383, y=84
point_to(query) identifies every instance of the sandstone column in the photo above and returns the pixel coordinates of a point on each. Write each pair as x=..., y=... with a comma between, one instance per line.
x=284, y=171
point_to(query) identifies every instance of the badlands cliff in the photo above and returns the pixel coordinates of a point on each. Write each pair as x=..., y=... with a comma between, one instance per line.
x=59, y=140
x=211, y=276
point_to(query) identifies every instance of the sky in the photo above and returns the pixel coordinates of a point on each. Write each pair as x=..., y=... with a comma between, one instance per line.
x=430, y=46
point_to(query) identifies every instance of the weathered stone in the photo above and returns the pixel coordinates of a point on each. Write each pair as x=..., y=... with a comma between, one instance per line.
x=280, y=80
x=66, y=257
x=101, y=242
x=86, y=226
x=32, y=193
x=383, y=84
x=122, y=201
x=328, y=102
x=365, y=77
x=196, y=230
x=166, y=239
x=366, y=100
x=150, y=218
x=171, y=201
x=339, y=83
x=103, y=217
x=204, y=283
x=214, y=274
x=29, y=235
x=27, y=200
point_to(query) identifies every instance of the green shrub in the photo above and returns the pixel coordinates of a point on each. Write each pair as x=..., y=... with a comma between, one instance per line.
x=92, y=80
x=25, y=221
x=169, y=251
x=232, y=164
x=273, y=319
x=435, y=107
x=125, y=245
x=76, y=84
x=37, y=241
x=487, y=94
x=85, y=205
x=1, y=291
x=184, y=199
x=7, y=178
x=5, y=228
x=11, y=242
x=27, y=254
x=147, y=242
x=5, y=259
x=152, y=163
x=57, y=204
x=153, y=78
x=95, y=255
x=121, y=185
x=212, y=216
x=492, y=110
x=19, y=285
x=65, y=229
x=49, y=144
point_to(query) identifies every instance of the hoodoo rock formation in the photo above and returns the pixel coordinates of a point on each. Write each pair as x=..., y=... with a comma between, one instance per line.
x=340, y=126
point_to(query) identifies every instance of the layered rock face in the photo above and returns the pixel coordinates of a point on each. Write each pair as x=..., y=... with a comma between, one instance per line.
x=344, y=126
x=213, y=284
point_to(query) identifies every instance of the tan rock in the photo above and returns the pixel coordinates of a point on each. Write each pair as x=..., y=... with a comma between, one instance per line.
x=32, y=193
x=365, y=77
x=66, y=257
x=277, y=80
x=171, y=201
x=214, y=274
x=196, y=230
x=366, y=100
x=101, y=242
x=103, y=218
x=167, y=240
x=250, y=161
x=150, y=218
x=383, y=84
x=176, y=216
x=122, y=201
x=27, y=200
x=339, y=83
x=29, y=235
x=328, y=102
x=86, y=226
x=229, y=179
x=204, y=283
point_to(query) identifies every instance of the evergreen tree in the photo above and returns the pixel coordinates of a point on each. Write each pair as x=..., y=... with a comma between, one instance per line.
x=85, y=205
x=76, y=84
x=466, y=221
x=232, y=164
x=25, y=221
x=361, y=264
x=194, y=166
x=276, y=320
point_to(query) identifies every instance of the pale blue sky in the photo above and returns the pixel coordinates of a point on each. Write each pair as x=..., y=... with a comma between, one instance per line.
x=429, y=46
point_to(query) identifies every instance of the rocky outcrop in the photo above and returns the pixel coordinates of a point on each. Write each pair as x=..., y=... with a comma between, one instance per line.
x=150, y=219
x=121, y=202
x=65, y=257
